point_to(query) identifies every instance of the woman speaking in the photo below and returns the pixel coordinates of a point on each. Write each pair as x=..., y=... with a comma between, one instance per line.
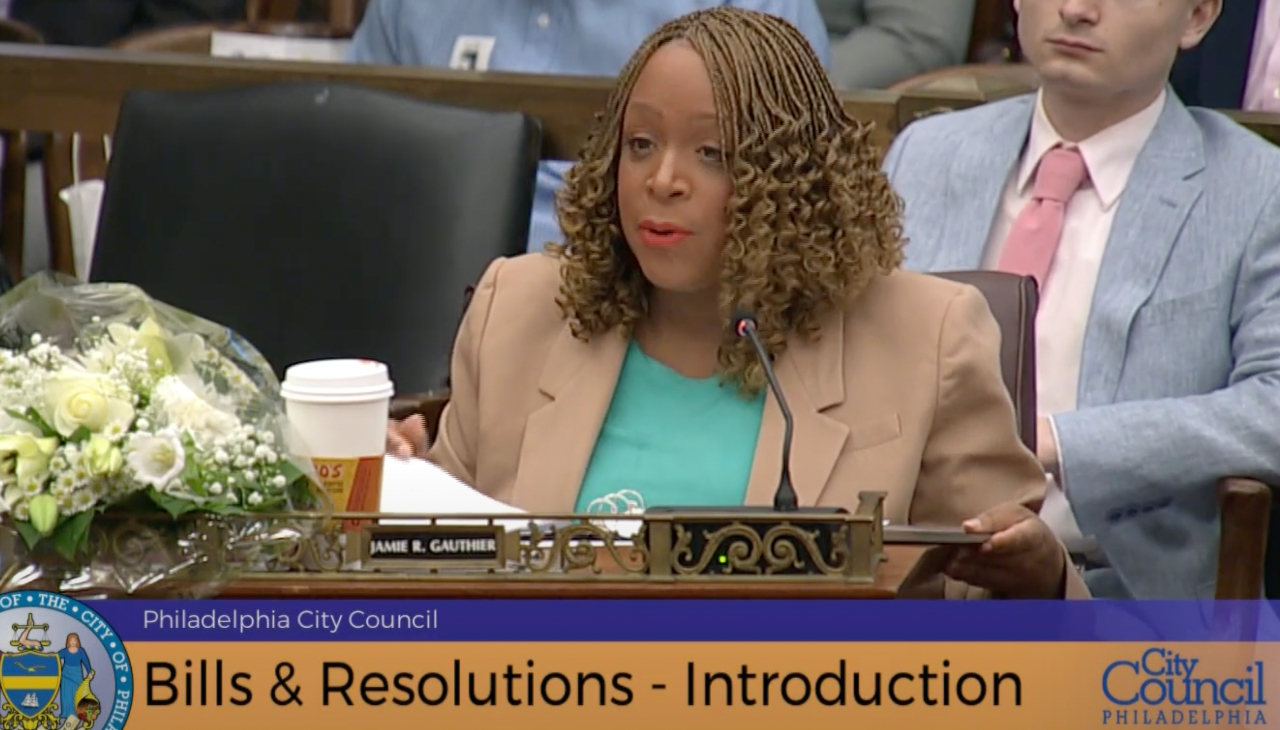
x=724, y=176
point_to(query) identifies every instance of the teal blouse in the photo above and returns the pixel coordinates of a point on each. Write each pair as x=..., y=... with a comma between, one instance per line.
x=675, y=441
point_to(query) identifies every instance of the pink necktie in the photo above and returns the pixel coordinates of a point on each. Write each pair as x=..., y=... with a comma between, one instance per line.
x=1035, y=234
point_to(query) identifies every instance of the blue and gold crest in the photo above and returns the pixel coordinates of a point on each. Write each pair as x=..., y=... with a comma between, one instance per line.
x=65, y=667
x=29, y=680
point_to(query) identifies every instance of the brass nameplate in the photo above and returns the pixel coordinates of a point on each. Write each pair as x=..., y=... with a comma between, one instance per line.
x=432, y=546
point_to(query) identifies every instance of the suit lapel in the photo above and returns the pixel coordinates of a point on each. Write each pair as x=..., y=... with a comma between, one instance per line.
x=811, y=375
x=577, y=384
x=978, y=175
x=1152, y=211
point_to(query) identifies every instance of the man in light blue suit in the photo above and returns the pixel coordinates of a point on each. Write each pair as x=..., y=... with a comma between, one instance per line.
x=557, y=37
x=1158, y=340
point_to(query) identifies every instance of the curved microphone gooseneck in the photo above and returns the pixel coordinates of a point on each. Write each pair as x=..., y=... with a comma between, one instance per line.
x=784, y=499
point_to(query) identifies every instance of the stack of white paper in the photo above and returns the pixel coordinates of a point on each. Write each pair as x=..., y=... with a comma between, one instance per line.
x=414, y=486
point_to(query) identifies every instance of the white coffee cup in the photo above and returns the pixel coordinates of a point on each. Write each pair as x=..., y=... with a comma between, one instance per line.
x=338, y=412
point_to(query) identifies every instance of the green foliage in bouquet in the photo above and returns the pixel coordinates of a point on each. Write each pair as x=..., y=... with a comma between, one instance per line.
x=110, y=400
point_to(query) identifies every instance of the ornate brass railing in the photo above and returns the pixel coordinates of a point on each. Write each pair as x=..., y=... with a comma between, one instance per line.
x=198, y=554
x=701, y=546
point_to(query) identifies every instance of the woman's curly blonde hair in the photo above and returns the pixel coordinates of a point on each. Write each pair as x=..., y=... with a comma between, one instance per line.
x=810, y=222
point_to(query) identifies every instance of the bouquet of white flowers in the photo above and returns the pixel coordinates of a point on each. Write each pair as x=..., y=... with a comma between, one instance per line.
x=110, y=401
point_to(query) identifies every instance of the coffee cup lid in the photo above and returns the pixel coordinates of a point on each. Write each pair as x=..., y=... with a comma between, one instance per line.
x=337, y=380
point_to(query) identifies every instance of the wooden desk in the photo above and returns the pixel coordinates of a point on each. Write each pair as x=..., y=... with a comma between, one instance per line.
x=62, y=89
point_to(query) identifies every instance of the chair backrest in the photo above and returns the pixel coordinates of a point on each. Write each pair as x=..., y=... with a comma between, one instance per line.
x=990, y=81
x=12, y=31
x=69, y=158
x=317, y=220
x=1013, y=300
x=195, y=38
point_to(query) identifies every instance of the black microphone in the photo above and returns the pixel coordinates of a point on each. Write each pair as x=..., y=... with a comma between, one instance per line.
x=784, y=499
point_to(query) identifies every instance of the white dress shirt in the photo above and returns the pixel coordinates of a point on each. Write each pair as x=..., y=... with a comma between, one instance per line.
x=1067, y=296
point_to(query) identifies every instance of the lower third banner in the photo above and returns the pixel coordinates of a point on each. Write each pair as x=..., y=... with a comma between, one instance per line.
x=746, y=685
x=745, y=664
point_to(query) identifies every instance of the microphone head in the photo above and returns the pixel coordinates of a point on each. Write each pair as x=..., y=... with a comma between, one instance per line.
x=742, y=319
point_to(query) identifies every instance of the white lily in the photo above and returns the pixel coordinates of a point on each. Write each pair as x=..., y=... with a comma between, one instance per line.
x=27, y=455
x=149, y=336
x=156, y=459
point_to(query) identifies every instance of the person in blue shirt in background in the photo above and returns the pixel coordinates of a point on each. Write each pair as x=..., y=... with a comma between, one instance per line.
x=556, y=37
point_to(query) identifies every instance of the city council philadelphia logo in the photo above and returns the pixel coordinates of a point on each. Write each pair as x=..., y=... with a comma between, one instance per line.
x=63, y=668
x=1159, y=686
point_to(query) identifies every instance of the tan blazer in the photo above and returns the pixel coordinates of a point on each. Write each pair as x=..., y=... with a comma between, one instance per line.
x=902, y=394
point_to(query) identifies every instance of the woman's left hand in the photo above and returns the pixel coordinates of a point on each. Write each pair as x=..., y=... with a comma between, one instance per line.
x=1021, y=559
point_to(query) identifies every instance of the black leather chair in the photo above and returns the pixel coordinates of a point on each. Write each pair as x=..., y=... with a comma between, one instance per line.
x=1013, y=301
x=317, y=220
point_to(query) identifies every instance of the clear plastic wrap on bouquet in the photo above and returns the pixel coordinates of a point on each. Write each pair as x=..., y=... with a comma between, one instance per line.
x=141, y=447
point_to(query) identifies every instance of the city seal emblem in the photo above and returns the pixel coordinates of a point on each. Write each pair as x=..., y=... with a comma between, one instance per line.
x=63, y=668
